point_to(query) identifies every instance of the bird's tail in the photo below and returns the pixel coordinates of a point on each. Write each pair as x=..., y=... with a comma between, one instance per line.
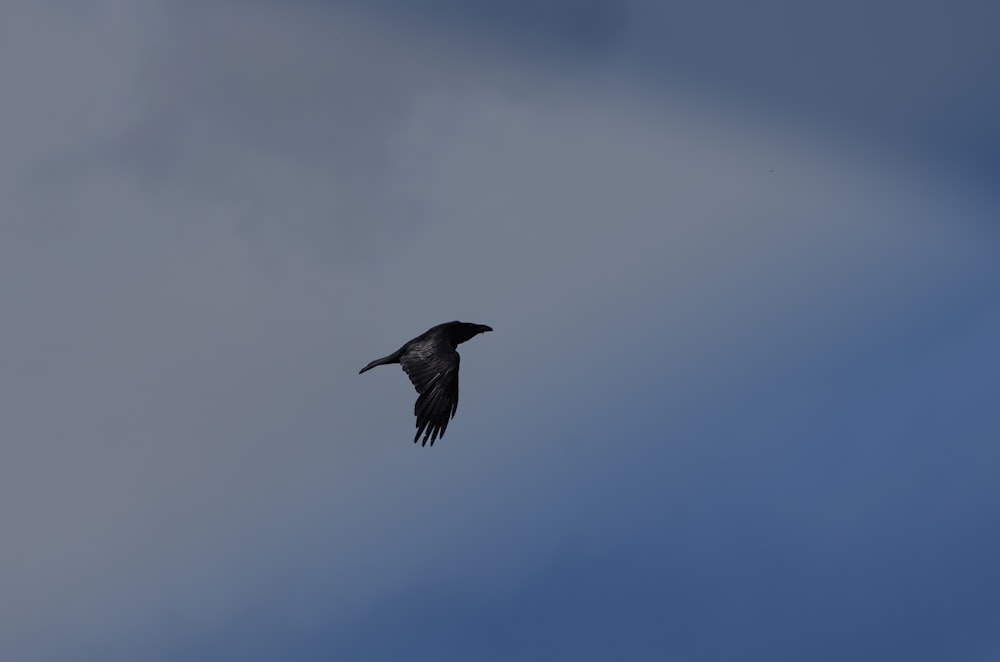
x=385, y=360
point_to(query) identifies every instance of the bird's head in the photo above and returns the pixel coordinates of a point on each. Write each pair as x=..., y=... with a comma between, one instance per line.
x=465, y=331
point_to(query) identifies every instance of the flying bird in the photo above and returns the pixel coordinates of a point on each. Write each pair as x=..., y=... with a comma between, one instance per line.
x=431, y=363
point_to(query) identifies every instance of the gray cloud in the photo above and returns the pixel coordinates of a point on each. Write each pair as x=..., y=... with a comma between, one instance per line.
x=239, y=208
x=914, y=75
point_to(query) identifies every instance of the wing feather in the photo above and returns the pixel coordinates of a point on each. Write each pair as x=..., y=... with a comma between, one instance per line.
x=432, y=366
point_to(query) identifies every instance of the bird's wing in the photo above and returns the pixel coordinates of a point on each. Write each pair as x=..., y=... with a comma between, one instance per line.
x=432, y=367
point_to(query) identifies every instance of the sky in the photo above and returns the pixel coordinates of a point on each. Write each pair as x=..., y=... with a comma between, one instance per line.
x=742, y=266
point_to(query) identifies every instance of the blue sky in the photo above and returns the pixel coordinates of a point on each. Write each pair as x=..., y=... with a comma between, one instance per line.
x=740, y=399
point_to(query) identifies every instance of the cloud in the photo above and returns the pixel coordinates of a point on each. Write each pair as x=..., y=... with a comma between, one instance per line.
x=241, y=206
x=914, y=75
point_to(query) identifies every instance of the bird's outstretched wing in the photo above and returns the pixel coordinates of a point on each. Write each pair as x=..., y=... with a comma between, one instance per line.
x=432, y=366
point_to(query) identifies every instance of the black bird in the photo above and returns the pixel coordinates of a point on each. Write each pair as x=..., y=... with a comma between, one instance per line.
x=431, y=362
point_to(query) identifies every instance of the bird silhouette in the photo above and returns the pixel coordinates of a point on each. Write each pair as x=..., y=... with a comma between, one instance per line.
x=431, y=363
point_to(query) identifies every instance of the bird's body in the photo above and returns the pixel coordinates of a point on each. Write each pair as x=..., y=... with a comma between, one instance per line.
x=431, y=363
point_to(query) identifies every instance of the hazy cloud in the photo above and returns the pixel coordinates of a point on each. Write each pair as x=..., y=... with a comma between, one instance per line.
x=740, y=377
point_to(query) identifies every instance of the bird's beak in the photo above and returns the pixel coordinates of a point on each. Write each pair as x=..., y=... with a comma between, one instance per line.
x=483, y=328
